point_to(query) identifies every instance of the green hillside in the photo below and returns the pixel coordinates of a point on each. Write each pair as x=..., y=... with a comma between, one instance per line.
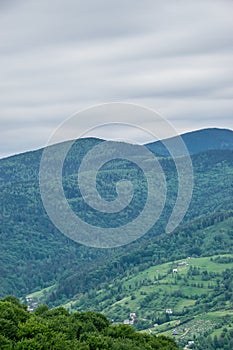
x=35, y=255
x=150, y=292
x=199, y=238
x=38, y=260
x=196, y=292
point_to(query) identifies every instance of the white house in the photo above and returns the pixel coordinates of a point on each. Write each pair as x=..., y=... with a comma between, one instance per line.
x=169, y=311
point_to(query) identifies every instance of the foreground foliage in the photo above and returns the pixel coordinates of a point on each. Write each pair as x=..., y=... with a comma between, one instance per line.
x=58, y=329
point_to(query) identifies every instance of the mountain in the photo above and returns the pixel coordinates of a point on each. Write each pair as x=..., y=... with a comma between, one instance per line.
x=37, y=258
x=198, y=141
x=34, y=254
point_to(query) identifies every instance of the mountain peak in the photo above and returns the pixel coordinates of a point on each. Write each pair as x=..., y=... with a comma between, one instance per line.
x=198, y=141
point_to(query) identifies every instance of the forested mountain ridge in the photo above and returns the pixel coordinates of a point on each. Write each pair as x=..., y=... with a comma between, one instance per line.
x=198, y=141
x=34, y=254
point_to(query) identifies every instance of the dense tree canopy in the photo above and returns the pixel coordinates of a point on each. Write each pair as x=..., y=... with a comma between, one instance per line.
x=57, y=329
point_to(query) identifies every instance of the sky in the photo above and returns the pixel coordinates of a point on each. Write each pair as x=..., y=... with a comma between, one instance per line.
x=58, y=57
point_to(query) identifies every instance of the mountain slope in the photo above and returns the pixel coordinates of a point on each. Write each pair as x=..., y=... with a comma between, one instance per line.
x=35, y=255
x=150, y=286
x=194, y=283
x=198, y=141
x=198, y=238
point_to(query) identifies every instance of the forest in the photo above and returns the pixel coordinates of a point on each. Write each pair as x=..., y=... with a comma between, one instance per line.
x=39, y=261
x=57, y=329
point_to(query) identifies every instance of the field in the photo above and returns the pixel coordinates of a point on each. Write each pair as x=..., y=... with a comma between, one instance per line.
x=182, y=299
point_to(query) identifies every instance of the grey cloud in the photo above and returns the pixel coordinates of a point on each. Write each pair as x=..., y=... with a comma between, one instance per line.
x=60, y=56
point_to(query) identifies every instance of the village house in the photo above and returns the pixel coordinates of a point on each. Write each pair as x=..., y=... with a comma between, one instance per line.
x=169, y=311
x=132, y=319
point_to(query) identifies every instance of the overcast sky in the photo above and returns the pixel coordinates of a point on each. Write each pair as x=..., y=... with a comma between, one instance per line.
x=60, y=56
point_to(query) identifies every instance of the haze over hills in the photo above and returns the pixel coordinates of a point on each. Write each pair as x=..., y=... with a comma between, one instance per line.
x=35, y=255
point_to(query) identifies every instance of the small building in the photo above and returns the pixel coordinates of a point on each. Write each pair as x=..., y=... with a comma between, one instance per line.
x=174, y=271
x=169, y=311
x=190, y=342
x=126, y=322
x=131, y=322
x=29, y=299
x=30, y=308
x=132, y=315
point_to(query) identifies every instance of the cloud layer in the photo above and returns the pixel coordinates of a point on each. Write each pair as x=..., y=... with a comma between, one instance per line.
x=58, y=57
